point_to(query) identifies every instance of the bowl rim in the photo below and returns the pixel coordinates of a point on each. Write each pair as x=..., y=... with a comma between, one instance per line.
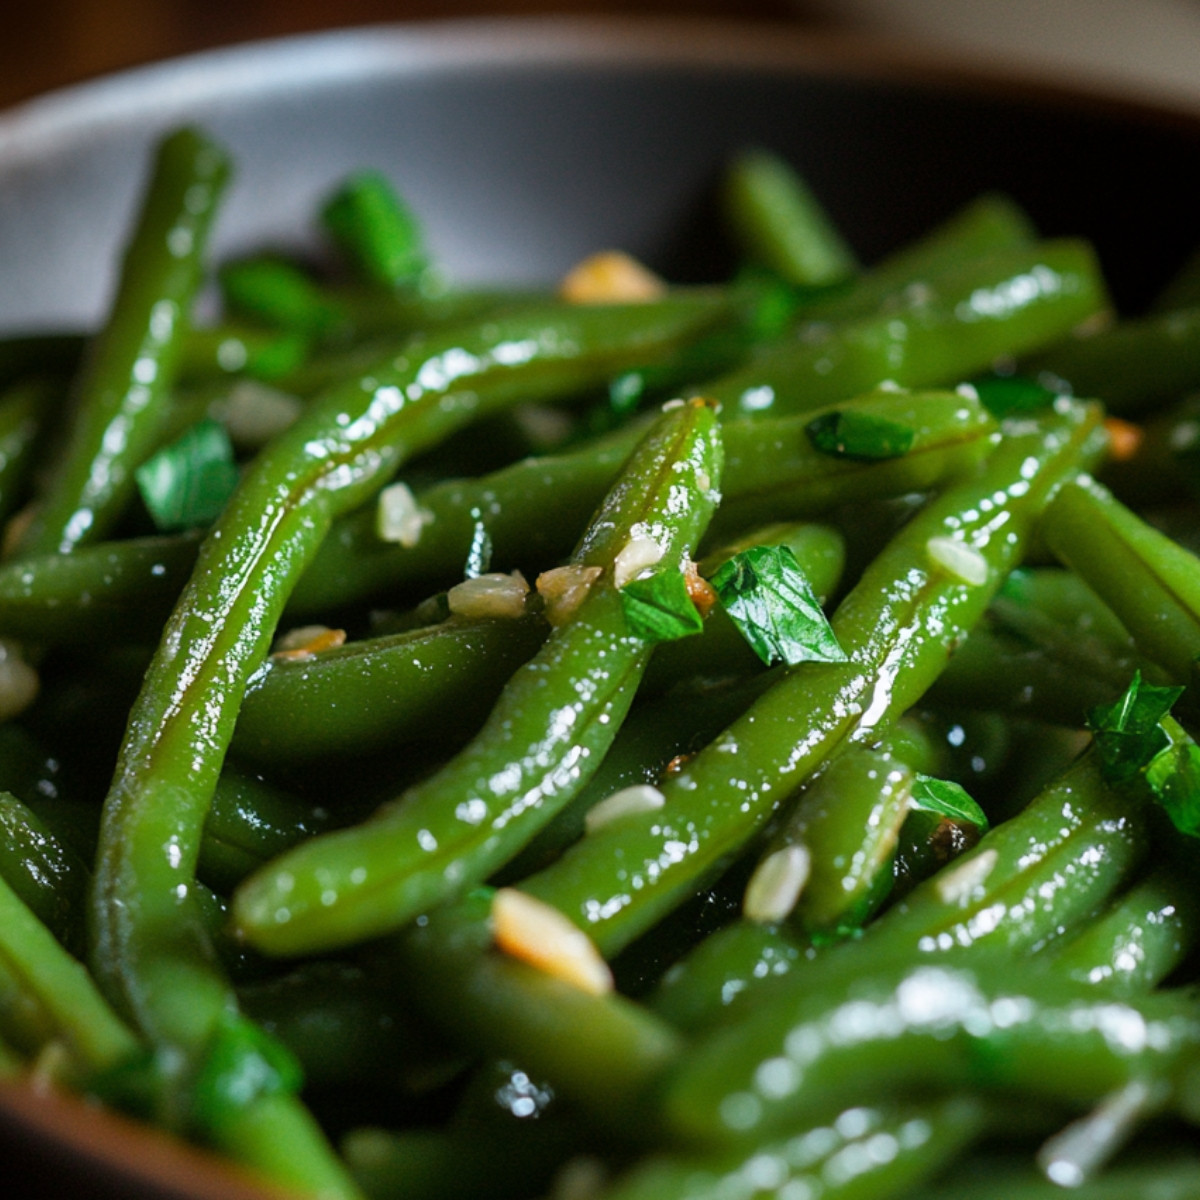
x=230, y=74
x=129, y=1151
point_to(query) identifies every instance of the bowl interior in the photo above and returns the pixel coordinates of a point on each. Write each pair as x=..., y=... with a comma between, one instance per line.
x=525, y=147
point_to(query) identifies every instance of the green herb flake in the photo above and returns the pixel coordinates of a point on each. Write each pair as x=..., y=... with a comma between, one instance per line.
x=860, y=436
x=1136, y=738
x=945, y=798
x=1174, y=777
x=768, y=598
x=243, y=1064
x=1003, y=395
x=189, y=482
x=1128, y=733
x=659, y=609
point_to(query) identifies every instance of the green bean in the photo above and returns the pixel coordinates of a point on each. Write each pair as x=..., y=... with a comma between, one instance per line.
x=1027, y=881
x=1142, y=937
x=1132, y=364
x=22, y=409
x=121, y=393
x=130, y=585
x=372, y=694
x=897, y=627
x=989, y=223
x=866, y=1152
x=803, y=1056
x=43, y=874
x=375, y=230
x=123, y=589
x=1171, y=1175
x=781, y=224
x=548, y=731
x=512, y=1010
x=91, y=1034
x=1152, y=584
x=775, y=472
x=1009, y=303
x=995, y=670
x=834, y=853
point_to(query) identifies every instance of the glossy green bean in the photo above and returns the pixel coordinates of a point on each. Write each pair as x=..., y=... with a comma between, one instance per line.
x=1150, y=582
x=1006, y=304
x=803, y=1056
x=1132, y=364
x=121, y=393
x=991, y=222
x=369, y=695
x=512, y=1010
x=897, y=627
x=866, y=1153
x=1027, y=881
x=92, y=1036
x=547, y=733
x=43, y=873
x=779, y=222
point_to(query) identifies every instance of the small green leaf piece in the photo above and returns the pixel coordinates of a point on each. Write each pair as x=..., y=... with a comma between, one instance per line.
x=768, y=598
x=1174, y=778
x=188, y=483
x=243, y=1063
x=947, y=799
x=861, y=436
x=1003, y=395
x=1128, y=733
x=659, y=609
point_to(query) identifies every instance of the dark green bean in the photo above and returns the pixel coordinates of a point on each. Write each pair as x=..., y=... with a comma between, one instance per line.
x=548, y=731
x=1132, y=364
x=865, y=1152
x=897, y=627
x=780, y=223
x=1026, y=882
x=989, y=223
x=1150, y=582
x=803, y=1055
x=121, y=394
x=1009, y=303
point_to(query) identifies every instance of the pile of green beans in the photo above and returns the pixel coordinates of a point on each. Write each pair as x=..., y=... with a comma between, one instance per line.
x=626, y=741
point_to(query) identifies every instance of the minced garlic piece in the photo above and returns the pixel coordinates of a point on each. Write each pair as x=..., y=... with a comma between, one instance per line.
x=634, y=557
x=492, y=595
x=537, y=933
x=641, y=797
x=398, y=516
x=957, y=885
x=611, y=277
x=776, y=884
x=564, y=589
x=960, y=560
x=307, y=640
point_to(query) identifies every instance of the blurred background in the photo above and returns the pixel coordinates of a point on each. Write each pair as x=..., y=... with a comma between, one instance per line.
x=1150, y=48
